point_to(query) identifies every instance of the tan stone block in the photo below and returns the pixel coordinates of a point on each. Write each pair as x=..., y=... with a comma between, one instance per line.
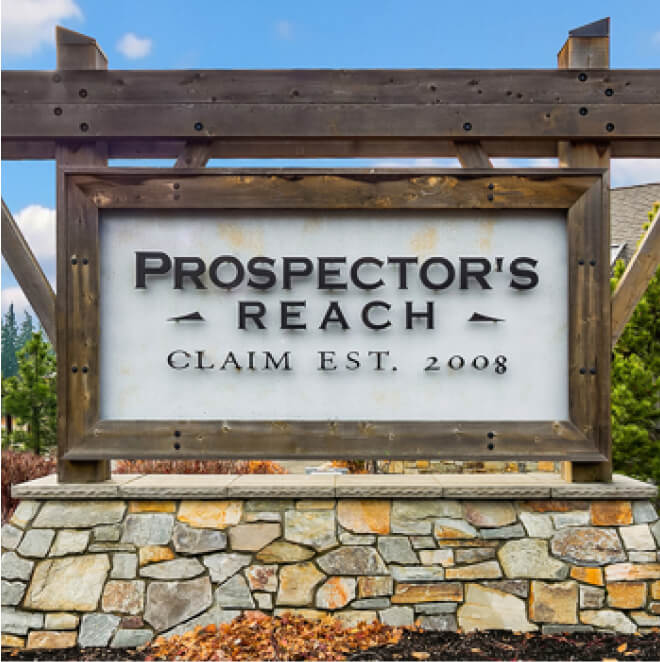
x=423, y=464
x=485, y=570
x=374, y=587
x=336, y=593
x=443, y=557
x=151, y=507
x=154, y=554
x=655, y=590
x=553, y=506
x=125, y=597
x=587, y=575
x=606, y=513
x=297, y=584
x=61, y=621
x=654, y=608
x=71, y=583
x=315, y=504
x=545, y=465
x=626, y=595
x=489, y=513
x=364, y=515
x=441, y=592
x=253, y=537
x=553, y=603
x=309, y=614
x=210, y=514
x=284, y=552
x=621, y=572
x=490, y=609
x=262, y=577
x=47, y=639
x=10, y=641
x=351, y=618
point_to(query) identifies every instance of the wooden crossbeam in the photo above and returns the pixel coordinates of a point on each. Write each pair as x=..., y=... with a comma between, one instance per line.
x=472, y=155
x=635, y=279
x=194, y=155
x=28, y=273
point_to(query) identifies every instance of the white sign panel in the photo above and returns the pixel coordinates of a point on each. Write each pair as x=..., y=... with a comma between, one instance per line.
x=333, y=315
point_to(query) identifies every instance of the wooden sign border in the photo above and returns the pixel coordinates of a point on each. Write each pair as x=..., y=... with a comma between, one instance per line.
x=582, y=193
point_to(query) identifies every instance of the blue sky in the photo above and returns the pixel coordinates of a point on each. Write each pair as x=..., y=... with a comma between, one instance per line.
x=164, y=34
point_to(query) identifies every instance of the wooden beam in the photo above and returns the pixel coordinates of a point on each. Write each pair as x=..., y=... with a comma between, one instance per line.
x=28, y=273
x=194, y=155
x=472, y=155
x=79, y=52
x=587, y=48
x=635, y=280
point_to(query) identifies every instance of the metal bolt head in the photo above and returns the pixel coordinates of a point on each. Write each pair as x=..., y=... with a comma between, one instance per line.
x=583, y=371
x=584, y=111
x=82, y=93
x=177, y=446
x=580, y=261
x=467, y=126
x=592, y=263
x=176, y=185
x=491, y=446
x=84, y=126
x=85, y=260
x=57, y=111
x=609, y=92
x=198, y=126
x=609, y=127
x=491, y=186
x=582, y=76
x=74, y=368
x=177, y=433
x=74, y=260
x=85, y=369
x=491, y=435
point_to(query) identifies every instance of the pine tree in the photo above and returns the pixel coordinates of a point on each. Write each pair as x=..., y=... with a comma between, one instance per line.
x=26, y=330
x=9, y=343
x=31, y=395
x=636, y=386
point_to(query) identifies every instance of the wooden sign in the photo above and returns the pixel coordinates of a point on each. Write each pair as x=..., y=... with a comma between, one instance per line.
x=455, y=314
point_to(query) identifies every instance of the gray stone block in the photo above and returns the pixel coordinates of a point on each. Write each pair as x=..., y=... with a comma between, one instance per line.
x=96, y=629
x=440, y=623
x=36, y=543
x=190, y=540
x=14, y=567
x=131, y=638
x=644, y=512
x=371, y=603
x=69, y=541
x=12, y=593
x=106, y=533
x=148, y=529
x=423, y=542
x=503, y=532
x=171, y=603
x=184, y=568
x=79, y=514
x=15, y=621
x=214, y=616
x=124, y=565
x=10, y=536
x=396, y=549
x=397, y=616
x=234, y=594
x=435, y=608
x=566, y=629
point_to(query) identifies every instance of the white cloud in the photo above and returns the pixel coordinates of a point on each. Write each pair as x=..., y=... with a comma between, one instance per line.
x=134, y=47
x=27, y=24
x=284, y=29
x=628, y=172
x=37, y=224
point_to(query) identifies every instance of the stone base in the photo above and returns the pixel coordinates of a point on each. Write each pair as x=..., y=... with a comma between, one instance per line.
x=121, y=562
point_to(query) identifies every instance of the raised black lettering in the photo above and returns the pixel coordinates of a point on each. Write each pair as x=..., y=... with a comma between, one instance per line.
x=261, y=272
x=171, y=363
x=215, y=267
x=479, y=274
x=355, y=277
x=367, y=320
x=289, y=271
x=403, y=263
x=287, y=314
x=431, y=262
x=334, y=315
x=412, y=315
x=531, y=278
x=142, y=270
x=244, y=313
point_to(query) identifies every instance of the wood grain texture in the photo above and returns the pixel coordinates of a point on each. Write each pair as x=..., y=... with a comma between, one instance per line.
x=635, y=280
x=28, y=273
x=194, y=155
x=77, y=281
x=589, y=53
x=340, y=189
x=451, y=121
x=472, y=155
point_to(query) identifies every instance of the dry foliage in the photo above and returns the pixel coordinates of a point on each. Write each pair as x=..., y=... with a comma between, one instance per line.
x=198, y=467
x=17, y=467
x=256, y=636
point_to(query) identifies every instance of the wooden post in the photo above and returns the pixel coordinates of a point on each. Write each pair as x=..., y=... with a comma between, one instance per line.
x=74, y=51
x=587, y=47
x=635, y=279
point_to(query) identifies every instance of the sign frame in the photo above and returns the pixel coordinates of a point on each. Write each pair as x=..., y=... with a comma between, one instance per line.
x=581, y=193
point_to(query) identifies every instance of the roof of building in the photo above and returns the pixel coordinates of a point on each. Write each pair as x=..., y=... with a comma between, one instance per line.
x=629, y=207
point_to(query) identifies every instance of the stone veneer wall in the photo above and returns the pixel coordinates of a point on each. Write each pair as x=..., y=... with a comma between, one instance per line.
x=119, y=572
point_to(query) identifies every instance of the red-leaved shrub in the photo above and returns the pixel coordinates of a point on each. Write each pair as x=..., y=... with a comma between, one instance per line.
x=198, y=467
x=19, y=467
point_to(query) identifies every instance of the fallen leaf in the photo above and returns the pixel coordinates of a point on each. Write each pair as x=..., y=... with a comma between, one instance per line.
x=419, y=655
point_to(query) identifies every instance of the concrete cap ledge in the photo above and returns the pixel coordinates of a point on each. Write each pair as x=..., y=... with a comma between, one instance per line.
x=451, y=486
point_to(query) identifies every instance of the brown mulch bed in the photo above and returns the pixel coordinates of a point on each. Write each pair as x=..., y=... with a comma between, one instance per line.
x=256, y=636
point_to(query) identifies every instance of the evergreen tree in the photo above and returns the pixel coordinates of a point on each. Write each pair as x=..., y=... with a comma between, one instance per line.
x=31, y=395
x=636, y=386
x=9, y=343
x=26, y=330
